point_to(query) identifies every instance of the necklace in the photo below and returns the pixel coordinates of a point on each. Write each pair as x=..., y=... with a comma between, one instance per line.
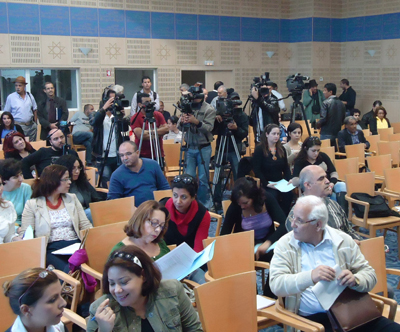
x=54, y=207
x=273, y=154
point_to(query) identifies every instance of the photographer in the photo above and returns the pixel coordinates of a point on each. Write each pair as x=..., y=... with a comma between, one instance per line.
x=144, y=106
x=237, y=123
x=46, y=156
x=265, y=110
x=101, y=123
x=200, y=116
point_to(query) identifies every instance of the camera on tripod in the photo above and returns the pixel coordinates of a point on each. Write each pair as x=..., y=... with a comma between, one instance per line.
x=64, y=127
x=295, y=83
x=187, y=100
x=226, y=106
x=116, y=107
x=149, y=107
x=258, y=82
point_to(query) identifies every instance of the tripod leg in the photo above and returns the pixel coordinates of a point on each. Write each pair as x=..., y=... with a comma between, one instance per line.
x=305, y=118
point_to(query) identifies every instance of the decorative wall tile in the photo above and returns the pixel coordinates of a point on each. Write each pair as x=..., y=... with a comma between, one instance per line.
x=138, y=51
x=56, y=50
x=25, y=50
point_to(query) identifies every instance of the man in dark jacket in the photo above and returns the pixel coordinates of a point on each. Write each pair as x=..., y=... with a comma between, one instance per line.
x=348, y=96
x=350, y=135
x=51, y=110
x=368, y=120
x=332, y=114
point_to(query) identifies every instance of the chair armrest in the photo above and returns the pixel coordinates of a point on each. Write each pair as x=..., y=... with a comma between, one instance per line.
x=391, y=192
x=74, y=318
x=379, y=177
x=102, y=190
x=390, y=302
x=91, y=167
x=387, y=194
x=340, y=154
x=191, y=284
x=67, y=278
x=87, y=269
x=379, y=304
x=356, y=201
x=393, y=271
x=219, y=222
x=208, y=277
x=261, y=265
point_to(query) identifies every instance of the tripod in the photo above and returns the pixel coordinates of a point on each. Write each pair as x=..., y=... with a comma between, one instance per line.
x=296, y=102
x=155, y=147
x=223, y=151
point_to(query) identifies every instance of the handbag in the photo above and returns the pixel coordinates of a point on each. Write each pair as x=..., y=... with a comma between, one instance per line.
x=378, y=207
x=352, y=309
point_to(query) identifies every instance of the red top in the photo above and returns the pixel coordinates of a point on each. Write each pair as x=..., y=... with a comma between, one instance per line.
x=182, y=221
x=146, y=152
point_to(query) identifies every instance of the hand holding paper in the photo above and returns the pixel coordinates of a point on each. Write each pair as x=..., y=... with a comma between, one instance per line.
x=283, y=186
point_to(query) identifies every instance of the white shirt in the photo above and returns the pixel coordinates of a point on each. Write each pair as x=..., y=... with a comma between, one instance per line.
x=312, y=257
x=19, y=327
x=106, y=132
x=21, y=108
x=281, y=103
x=8, y=217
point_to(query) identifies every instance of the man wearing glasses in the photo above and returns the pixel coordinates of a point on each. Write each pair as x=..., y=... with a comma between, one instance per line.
x=136, y=176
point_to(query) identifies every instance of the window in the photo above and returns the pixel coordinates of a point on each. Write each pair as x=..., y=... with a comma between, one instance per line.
x=65, y=82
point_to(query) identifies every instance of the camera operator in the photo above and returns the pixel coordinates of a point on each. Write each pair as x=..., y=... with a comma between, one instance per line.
x=110, y=108
x=222, y=93
x=265, y=110
x=143, y=101
x=238, y=124
x=201, y=118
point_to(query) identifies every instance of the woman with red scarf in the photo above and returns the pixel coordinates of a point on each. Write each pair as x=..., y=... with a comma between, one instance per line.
x=190, y=220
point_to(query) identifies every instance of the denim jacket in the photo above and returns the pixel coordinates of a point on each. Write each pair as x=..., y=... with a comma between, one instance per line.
x=169, y=309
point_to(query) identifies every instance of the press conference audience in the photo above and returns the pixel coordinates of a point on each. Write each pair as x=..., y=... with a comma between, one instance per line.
x=7, y=125
x=146, y=230
x=54, y=213
x=351, y=135
x=174, y=133
x=382, y=122
x=293, y=146
x=14, y=190
x=15, y=146
x=368, y=120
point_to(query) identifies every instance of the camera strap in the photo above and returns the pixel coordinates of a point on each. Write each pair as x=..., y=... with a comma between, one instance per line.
x=134, y=120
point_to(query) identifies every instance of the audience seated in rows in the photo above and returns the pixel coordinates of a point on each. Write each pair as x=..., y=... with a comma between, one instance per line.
x=7, y=125
x=293, y=146
x=15, y=146
x=368, y=120
x=382, y=122
x=351, y=135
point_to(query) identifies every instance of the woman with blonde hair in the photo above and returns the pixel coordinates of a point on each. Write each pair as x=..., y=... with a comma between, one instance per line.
x=35, y=296
x=146, y=230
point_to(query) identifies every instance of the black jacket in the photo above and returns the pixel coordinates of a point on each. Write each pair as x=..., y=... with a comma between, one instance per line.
x=211, y=96
x=369, y=119
x=333, y=113
x=349, y=96
x=43, y=115
x=344, y=138
x=270, y=112
x=17, y=127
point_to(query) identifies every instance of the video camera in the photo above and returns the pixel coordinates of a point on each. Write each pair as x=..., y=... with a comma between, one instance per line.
x=64, y=127
x=149, y=107
x=258, y=82
x=226, y=106
x=117, y=106
x=187, y=100
x=295, y=83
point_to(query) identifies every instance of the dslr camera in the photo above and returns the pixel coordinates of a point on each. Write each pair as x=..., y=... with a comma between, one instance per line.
x=226, y=106
x=295, y=83
x=186, y=101
x=258, y=82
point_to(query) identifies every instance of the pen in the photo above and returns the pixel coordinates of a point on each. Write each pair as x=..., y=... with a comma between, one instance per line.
x=94, y=317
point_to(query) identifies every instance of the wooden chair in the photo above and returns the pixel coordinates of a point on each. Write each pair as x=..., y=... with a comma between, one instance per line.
x=396, y=127
x=373, y=143
x=168, y=193
x=392, y=148
x=21, y=255
x=109, y=212
x=346, y=166
x=385, y=133
x=394, y=137
x=82, y=156
x=172, y=153
x=378, y=164
x=29, y=181
x=365, y=183
x=91, y=176
x=99, y=243
x=366, y=132
x=76, y=147
x=225, y=206
x=392, y=184
x=330, y=151
x=325, y=143
x=169, y=141
x=374, y=253
x=356, y=150
x=38, y=144
x=39, y=131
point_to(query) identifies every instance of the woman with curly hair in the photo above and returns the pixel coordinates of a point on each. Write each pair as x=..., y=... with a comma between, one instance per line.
x=15, y=146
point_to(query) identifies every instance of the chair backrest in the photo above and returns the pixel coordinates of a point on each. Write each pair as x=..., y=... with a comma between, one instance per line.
x=82, y=156
x=91, y=176
x=394, y=137
x=385, y=133
x=374, y=253
x=366, y=132
x=171, y=157
x=360, y=183
x=379, y=163
x=325, y=143
x=7, y=315
x=392, y=179
x=233, y=254
x=160, y=194
x=356, y=150
x=109, y=212
x=169, y=141
x=330, y=151
x=228, y=304
x=396, y=127
x=346, y=166
x=225, y=206
x=21, y=255
x=390, y=148
x=38, y=144
x=100, y=241
x=373, y=142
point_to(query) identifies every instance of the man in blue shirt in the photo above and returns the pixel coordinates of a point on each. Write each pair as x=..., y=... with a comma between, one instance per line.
x=137, y=177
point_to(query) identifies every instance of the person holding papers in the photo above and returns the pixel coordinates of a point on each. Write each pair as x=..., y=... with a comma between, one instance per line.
x=54, y=213
x=136, y=299
x=146, y=230
x=309, y=255
x=270, y=164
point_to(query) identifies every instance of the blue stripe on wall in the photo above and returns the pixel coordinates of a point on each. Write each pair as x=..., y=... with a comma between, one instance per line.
x=19, y=18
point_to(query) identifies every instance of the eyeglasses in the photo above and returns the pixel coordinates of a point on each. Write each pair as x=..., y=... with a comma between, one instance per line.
x=185, y=179
x=42, y=275
x=66, y=180
x=298, y=222
x=77, y=169
x=11, y=133
x=155, y=225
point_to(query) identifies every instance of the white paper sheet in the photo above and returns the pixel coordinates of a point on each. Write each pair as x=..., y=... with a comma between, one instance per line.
x=272, y=246
x=183, y=260
x=283, y=186
x=327, y=292
x=67, y=250
x=263, y=302
x=28, y=235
